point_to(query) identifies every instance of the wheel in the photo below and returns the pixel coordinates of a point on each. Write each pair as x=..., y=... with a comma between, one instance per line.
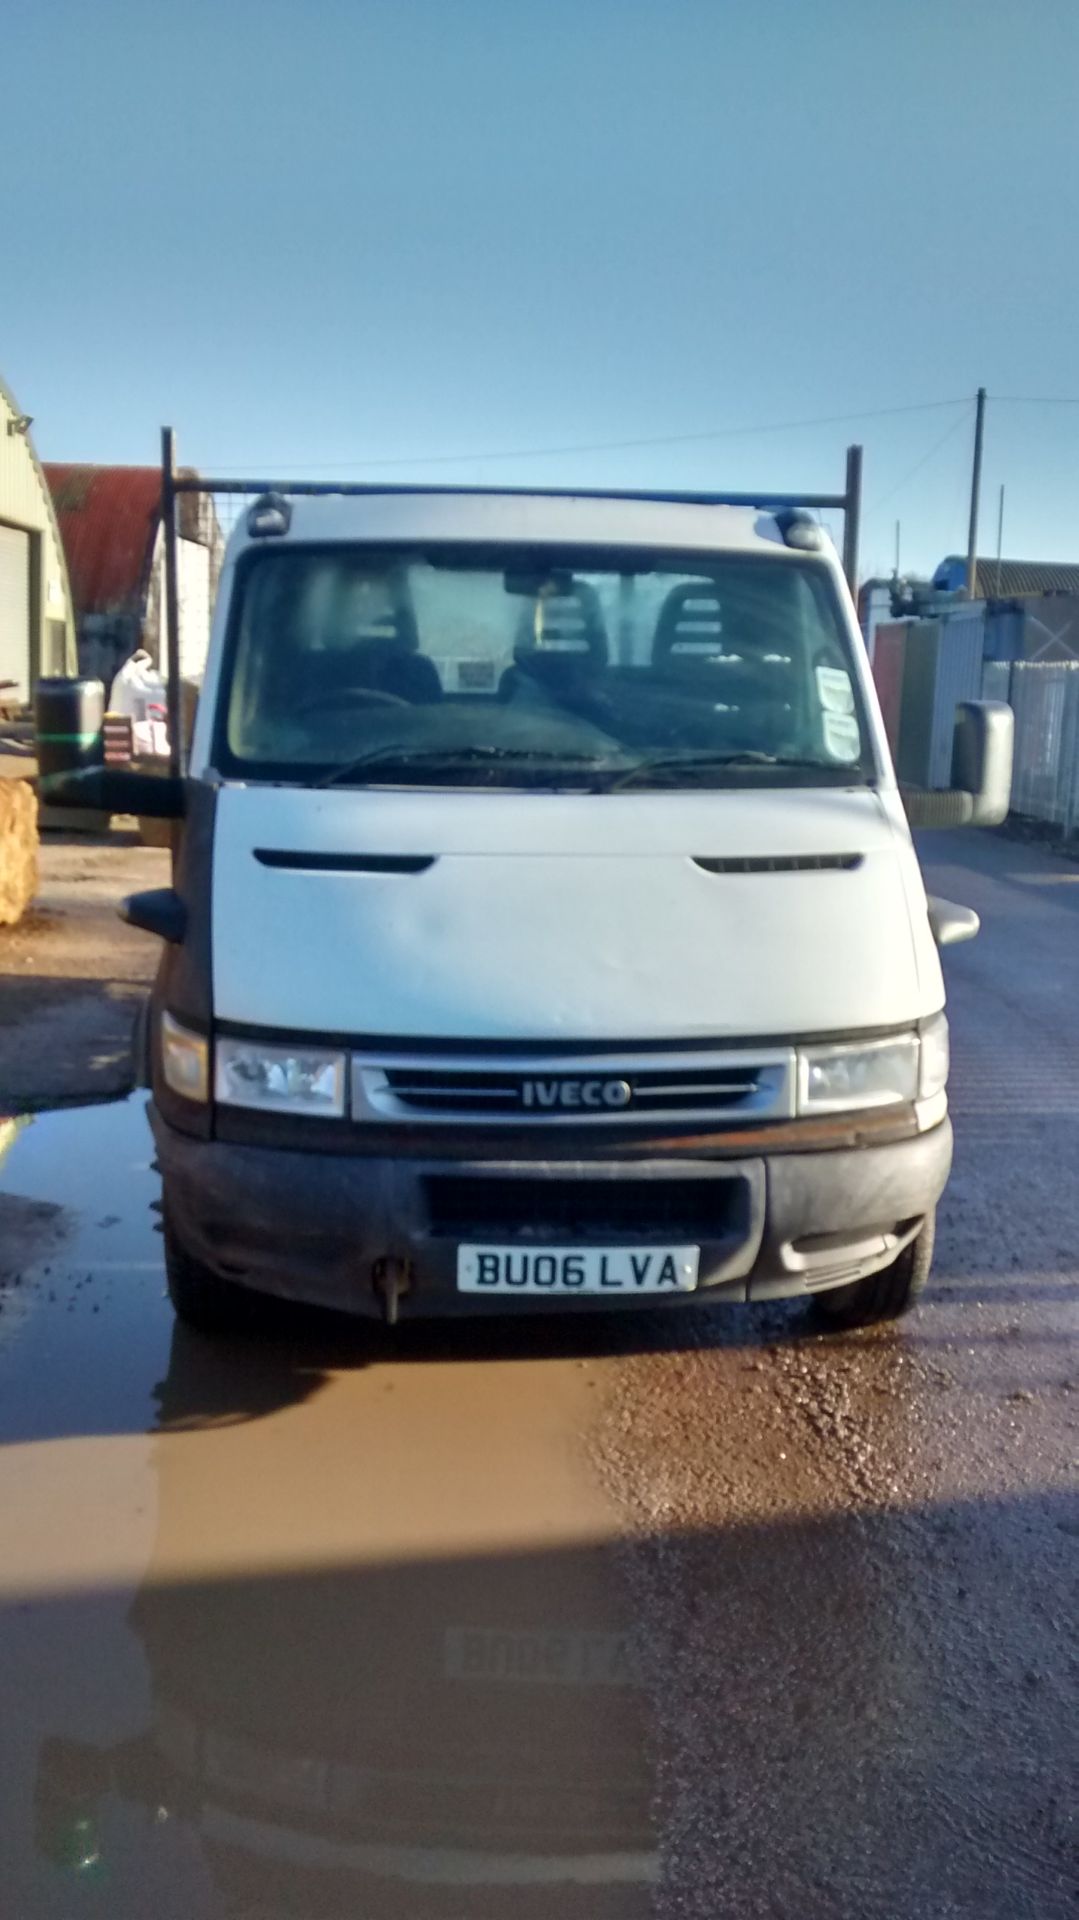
x=885, y=1295
x=199, y=1298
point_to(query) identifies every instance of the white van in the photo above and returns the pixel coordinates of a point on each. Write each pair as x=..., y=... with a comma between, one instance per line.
x=547, y=930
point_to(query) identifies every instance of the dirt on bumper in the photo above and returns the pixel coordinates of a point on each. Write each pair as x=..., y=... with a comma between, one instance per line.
x=344, y=1230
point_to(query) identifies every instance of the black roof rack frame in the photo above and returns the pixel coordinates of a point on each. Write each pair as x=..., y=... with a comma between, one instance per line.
x=173, y=484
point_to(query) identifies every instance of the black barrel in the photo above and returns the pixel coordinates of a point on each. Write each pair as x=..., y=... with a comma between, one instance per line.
x=68, y=716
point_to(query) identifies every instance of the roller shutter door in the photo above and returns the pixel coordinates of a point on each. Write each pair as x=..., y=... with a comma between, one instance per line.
x=15, y=608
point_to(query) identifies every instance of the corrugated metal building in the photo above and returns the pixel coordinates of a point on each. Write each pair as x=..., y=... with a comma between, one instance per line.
x=110, y=518
x=942, y=665
x=1007, y=579
x=37, y=629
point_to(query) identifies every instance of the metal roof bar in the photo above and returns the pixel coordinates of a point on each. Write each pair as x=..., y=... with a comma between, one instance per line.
x=188, y=483
x=173, y=484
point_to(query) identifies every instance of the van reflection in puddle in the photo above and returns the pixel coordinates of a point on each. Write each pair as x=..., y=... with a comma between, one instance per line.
x=425, y=1737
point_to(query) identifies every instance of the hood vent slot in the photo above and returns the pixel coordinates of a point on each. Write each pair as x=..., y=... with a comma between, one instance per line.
x=301, y=862
x=783, y=863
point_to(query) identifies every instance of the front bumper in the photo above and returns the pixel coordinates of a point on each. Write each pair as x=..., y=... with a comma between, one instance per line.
x=378, y=1235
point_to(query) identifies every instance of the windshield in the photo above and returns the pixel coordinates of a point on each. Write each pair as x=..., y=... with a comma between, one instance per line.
x=530, y=669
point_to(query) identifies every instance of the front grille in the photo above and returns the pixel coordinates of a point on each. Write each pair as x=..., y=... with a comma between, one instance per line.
x=695, y=1087
x=538, y=1094
x=474, y=1206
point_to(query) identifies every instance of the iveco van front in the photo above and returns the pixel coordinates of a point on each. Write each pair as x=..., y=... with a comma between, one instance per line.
x=548, y=930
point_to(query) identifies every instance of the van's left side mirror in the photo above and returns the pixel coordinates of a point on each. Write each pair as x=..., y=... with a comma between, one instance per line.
x=981, y=789
x=151, y=796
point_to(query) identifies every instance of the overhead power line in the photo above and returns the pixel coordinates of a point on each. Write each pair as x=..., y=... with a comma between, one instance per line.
x=614, y=446
x=883, y=499
x=643, y=442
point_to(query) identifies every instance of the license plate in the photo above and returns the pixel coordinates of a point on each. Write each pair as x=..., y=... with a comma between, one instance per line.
x=555, y=1656
x=570, y=1271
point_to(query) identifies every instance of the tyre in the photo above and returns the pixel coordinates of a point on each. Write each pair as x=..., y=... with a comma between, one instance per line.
x=885, y=1295
x=199, y=1298
x=140, y=1044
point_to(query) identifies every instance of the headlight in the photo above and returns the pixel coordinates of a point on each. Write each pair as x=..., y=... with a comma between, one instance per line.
x=185, y=1059
x=878, y=1073
x=281, y=1079
x=935, y=1058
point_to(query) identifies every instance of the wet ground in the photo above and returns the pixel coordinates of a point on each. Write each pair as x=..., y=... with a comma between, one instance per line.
x=72, y=974
x=686, y=1615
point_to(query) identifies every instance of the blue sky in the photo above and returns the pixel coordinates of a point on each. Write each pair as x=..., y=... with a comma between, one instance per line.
x=377, y=231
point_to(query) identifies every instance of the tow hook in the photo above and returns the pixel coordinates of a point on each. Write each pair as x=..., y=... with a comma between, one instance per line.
x=392, y=1279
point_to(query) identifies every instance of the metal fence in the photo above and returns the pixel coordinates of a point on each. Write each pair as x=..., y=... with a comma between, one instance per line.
x=997, y=680
x=1045, y=700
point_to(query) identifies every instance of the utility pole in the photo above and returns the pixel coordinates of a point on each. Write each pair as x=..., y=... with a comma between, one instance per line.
x=1000, y=535
x=896, y=570
x=975, y=493
x=172, y=599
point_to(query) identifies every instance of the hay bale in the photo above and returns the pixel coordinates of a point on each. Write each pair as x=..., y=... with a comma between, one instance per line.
x=18, y=849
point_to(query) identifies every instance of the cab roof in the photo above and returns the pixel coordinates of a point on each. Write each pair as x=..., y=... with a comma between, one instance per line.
x=480, y=517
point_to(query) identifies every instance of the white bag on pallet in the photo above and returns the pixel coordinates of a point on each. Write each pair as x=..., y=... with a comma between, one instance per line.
x=139, y=693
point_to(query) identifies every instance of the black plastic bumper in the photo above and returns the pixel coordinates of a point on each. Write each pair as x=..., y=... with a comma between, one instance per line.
x=379, y=1235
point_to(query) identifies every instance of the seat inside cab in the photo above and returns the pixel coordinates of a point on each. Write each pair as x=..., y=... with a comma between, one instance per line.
x=560, y=647
x=719, y=650
x=370, y=647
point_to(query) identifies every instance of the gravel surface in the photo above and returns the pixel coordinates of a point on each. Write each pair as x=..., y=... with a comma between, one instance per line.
x=855, y=1558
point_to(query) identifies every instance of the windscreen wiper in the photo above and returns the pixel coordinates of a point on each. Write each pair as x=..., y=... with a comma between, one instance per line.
x=696, y=765
x=439, y=758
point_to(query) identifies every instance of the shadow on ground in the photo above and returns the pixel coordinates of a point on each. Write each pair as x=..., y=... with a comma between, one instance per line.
x=808, y=1718
x=66, y=1041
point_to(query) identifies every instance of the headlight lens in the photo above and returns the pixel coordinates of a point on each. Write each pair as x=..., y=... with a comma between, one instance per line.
x=879, y=1073
x=935, y=1058
x=282, y=1079
x=185, y=1059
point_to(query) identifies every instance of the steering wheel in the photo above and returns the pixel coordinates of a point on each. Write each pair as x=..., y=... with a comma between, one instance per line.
x=349, y=697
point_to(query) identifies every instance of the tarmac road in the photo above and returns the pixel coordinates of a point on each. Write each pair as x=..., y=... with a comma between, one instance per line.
x=684, y=1615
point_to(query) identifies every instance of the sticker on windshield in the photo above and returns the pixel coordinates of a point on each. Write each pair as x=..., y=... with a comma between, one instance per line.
x=841, y=737
x=834, y=690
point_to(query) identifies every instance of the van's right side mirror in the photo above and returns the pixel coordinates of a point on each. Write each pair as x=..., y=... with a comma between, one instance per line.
x=981, y=789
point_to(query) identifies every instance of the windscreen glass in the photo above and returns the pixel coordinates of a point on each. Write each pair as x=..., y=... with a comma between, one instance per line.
x=532, y=669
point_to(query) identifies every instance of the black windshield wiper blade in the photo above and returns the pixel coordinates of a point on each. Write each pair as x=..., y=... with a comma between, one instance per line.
x=442, y=757
x=672, y=764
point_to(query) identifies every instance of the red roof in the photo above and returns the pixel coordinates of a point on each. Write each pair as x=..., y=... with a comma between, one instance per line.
x=108, y=518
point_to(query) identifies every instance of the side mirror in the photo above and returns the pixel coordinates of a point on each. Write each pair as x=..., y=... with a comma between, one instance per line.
x=982, y=758
x=152, y=796
x=949, y=923
x=981, y=788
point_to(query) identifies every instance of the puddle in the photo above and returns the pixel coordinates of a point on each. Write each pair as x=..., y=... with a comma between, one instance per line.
x=287, y=1632
x=100, y=1278
x=96, y=1161
x=93, y=1163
